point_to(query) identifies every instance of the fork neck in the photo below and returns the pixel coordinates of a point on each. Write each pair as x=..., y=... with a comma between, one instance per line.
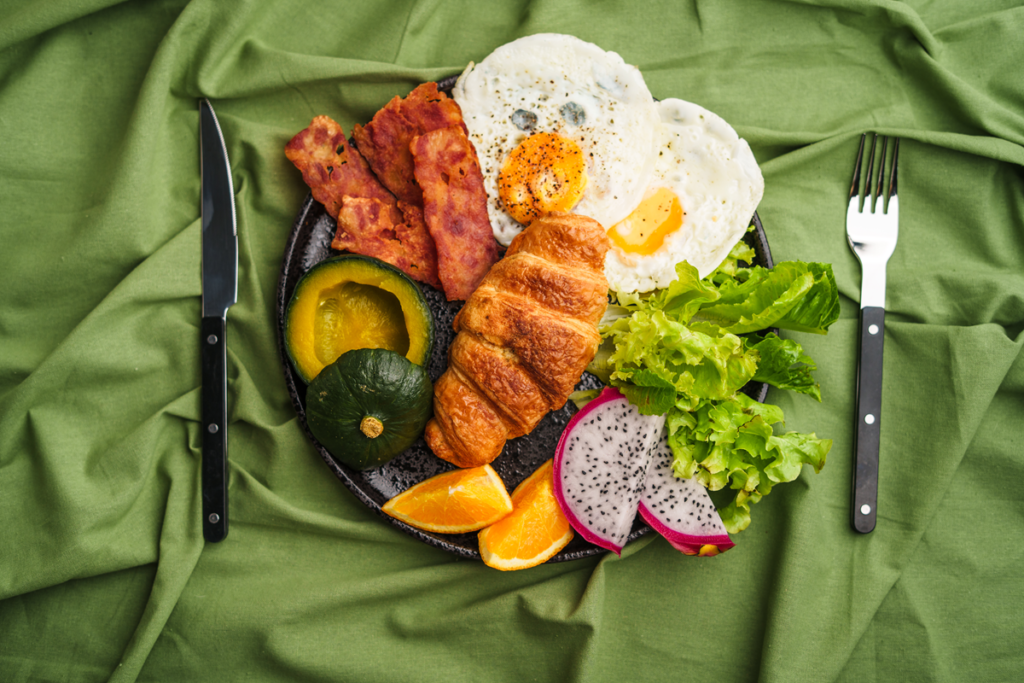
x=872, y=285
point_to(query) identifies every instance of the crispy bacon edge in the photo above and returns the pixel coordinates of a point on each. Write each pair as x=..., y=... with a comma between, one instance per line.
x=455, y=208
x=371, y=221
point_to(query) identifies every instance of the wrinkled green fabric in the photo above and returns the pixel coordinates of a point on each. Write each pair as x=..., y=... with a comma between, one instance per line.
x=103, y=570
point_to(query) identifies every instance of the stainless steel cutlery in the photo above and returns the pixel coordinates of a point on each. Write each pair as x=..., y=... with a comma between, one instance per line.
x=220, y=291
x=872, y=227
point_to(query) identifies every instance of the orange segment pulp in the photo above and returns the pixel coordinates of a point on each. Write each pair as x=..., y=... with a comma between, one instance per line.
x=453, y=502
x=534, y=532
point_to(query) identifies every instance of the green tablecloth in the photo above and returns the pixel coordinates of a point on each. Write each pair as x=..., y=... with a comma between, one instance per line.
x=103, y=569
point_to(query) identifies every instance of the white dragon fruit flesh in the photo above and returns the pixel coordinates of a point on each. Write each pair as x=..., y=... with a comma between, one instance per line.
x=680, y=509
x=612, y=462
x=599, y=467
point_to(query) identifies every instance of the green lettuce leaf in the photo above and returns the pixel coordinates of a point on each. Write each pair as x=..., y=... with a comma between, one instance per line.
x=685, y=296
x=680, y=300
x=741, y=256
x=732, y=443
x=582, y=397
x=793, y=296
x=601, y=366
x=678, y=351
x=651, y=393
x=784, y=365
x=697, y=364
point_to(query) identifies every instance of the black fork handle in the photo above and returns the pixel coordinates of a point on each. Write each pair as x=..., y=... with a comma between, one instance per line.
x=869, y=419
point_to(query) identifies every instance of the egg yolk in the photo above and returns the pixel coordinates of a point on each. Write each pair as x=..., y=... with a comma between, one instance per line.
x=644, y=230
x=545, y=173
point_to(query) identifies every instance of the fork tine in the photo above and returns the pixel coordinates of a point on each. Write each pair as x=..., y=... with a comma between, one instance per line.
x=881, y=176
x=869, y=198
x=892, y=170
x=855, y=185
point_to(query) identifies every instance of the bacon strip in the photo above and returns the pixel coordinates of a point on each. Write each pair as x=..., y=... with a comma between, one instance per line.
x=332, y=169
x=455, y=208
x=371, y=221
x=384, y=141
x=366, y=226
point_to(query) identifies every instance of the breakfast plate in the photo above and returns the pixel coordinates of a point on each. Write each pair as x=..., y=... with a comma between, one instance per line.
x=308, y=244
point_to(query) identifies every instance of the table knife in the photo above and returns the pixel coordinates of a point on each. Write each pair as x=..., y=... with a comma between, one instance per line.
x=220, y=291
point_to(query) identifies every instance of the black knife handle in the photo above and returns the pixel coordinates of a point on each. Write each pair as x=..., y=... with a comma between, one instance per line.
x=869, y=419
x=215, y=429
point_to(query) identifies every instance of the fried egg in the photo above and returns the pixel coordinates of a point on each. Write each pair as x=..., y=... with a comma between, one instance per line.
x=705, y=188
x=558, y=124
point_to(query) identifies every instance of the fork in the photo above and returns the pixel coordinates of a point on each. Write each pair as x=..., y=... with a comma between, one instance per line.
x=872, y=226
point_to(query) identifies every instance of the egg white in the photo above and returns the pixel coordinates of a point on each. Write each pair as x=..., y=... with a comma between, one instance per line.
x=540, y=74
x=719, y=184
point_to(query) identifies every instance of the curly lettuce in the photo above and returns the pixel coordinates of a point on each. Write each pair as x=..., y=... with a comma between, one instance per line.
x=687, y=351
x=732, y=443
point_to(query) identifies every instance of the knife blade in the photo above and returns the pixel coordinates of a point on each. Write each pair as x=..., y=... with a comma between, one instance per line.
x=220, y=291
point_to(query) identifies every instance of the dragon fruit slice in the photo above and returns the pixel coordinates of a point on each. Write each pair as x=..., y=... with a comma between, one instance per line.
x=599, y=467
x=680, y=509
x=612, y=462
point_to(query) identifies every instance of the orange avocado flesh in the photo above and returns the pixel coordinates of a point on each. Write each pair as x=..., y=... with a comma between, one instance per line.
x=350, y=304
x=351, y=315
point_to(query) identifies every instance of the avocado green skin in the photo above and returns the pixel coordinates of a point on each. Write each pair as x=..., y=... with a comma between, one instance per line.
x=410, y=296
x=369, y=383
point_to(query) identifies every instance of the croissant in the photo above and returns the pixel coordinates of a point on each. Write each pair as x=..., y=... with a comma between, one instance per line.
x=524, y=338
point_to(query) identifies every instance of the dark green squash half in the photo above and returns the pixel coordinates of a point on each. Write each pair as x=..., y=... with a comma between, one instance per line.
x=353, y=302
x=368, y=406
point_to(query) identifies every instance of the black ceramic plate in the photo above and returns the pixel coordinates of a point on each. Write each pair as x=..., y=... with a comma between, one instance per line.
x=310, y=243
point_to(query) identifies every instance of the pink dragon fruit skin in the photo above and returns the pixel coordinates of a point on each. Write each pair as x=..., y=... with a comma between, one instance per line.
x=611, y=462
x=680, y=509
x=598, y=492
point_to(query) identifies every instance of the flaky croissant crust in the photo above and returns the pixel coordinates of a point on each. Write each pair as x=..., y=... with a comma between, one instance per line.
x=525, y=336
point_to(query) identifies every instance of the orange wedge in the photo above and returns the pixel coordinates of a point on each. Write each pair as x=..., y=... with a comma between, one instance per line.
x=453, y=502
x=534, y=532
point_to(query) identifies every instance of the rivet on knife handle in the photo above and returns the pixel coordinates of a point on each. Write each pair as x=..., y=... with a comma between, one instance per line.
x=215, y=433
x=869, y=419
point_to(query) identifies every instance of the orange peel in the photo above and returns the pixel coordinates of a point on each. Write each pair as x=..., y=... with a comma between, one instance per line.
x=534, y=532
x=453, y=502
